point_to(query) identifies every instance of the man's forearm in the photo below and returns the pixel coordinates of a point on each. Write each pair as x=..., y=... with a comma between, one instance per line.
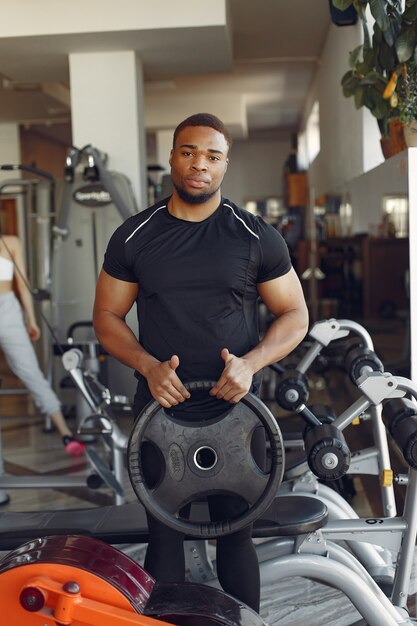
x=119, y=340
x=283, y=335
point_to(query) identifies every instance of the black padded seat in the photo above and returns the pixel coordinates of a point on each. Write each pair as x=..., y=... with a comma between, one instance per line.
x=288, y=515
x=113, y=524
x=291, y=515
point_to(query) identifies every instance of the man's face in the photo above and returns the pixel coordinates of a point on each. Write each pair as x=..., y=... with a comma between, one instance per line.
x=198, y=163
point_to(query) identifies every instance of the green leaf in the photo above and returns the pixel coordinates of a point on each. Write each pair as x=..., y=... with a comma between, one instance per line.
x=349, y=85
x=348, y=93
x=405, y=45
x=379, y=13
x=359, y=95
x=354, y=56
x=410, y=14
x=368, y=62
x=373, y=78
x=391, y=33
x=366, y=36
x=374, y=101
x=387, y=57
x=342, y=4
x=346, y=77
x=378, y=36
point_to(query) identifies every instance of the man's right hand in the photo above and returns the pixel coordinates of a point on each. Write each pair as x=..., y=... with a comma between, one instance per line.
x=164, y=384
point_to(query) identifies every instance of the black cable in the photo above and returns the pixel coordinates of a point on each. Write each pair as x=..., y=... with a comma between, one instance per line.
x=28, y=168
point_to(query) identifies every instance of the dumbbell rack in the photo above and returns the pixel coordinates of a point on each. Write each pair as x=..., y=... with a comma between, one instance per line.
x=308, y=555
x=374, y=460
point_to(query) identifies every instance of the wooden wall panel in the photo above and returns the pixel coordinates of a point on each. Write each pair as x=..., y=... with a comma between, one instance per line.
x=43, y=152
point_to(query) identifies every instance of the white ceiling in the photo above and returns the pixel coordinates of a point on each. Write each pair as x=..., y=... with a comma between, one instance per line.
x=270, y=58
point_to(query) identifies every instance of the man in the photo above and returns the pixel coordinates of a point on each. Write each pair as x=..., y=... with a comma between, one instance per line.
x=196, y=264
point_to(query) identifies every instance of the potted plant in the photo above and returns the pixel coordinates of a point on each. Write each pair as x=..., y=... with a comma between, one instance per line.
x=407, y=101
x=382, y=69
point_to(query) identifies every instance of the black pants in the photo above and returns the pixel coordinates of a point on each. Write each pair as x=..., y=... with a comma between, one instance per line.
x=236, y=558
x=237, y=561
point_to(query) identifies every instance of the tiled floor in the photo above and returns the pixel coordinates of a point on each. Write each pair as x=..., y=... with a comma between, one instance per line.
x=29, y=450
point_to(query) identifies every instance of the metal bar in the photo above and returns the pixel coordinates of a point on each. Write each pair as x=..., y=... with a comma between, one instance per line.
x=359, y=330
x=406, y=556
x=309, y=357
x=368, y=598
x=346, y=418
x=384, y=462
x=118, y=457
x=387, y=532
x=13, y=391
x=41, y=482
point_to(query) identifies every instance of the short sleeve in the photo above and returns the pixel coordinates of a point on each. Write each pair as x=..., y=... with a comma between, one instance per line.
x=115, y=261
x=275, y=257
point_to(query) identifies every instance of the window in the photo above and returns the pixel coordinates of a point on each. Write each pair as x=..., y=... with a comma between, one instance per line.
x=309, y=140
x=395, y=211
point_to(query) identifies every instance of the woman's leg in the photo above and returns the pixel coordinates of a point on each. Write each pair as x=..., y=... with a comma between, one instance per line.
x=22, y=360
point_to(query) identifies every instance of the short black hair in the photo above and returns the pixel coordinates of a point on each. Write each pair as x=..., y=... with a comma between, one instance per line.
x=203, y=119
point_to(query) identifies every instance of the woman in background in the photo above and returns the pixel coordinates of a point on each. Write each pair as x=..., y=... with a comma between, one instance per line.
x=17, y=329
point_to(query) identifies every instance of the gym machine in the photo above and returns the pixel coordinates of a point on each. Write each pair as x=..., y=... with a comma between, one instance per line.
x=301, y=522
x=80, y=581
x=92, y=356
x=291, y=393
x=397, y=534
x=98, y=422
x=44, y=233
x=35, y=212
x=66, y=581
x=93, y=203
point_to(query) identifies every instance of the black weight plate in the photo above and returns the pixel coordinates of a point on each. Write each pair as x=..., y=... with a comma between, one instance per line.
x=202, y=458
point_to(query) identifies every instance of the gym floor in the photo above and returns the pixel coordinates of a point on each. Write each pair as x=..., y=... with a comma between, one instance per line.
x=29, y=450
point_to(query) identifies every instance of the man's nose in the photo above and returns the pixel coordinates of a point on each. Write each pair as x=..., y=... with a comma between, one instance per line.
x=199, y=163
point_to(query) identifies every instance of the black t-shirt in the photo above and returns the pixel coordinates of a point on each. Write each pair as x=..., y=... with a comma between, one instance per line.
x=197, y=286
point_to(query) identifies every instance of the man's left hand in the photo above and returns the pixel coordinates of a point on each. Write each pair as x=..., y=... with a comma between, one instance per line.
x=236, y=378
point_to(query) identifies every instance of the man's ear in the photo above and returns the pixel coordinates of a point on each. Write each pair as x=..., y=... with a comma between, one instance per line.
x=170, y=156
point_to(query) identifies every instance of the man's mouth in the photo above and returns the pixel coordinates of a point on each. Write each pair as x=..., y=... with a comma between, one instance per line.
x=197, y=183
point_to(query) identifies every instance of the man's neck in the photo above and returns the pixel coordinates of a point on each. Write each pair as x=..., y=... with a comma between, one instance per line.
x=193, y=212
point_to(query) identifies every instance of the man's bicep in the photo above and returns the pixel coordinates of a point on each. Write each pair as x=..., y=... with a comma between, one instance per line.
x=282, y=294
x=114, y=296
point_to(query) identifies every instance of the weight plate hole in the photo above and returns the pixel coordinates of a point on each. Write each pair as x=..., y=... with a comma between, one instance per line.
x=205, y=458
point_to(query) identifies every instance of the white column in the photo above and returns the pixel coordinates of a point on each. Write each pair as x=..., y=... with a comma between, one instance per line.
x=107, y=107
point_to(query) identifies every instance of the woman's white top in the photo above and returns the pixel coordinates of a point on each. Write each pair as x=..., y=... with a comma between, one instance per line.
x=6, y=268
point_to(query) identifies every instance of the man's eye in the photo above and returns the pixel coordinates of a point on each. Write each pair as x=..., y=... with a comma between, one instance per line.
x=185, y=153
x=214, y=158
